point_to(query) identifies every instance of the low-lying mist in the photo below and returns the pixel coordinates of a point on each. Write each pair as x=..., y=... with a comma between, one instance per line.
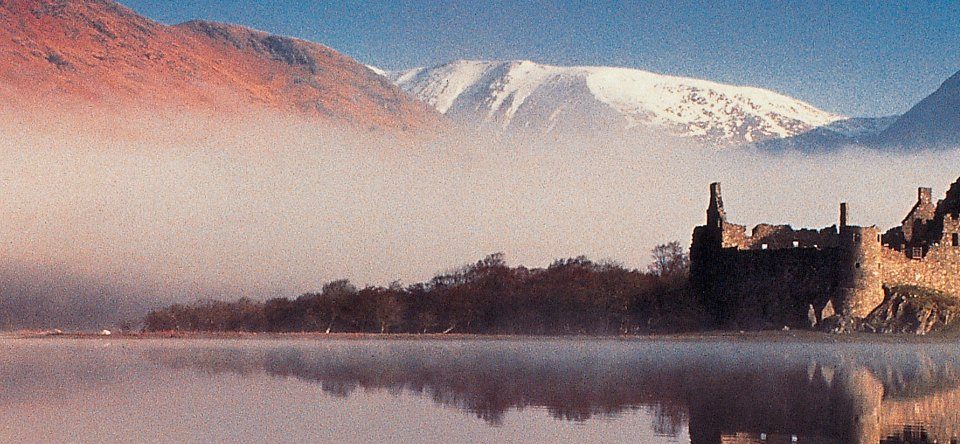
x=103, y=217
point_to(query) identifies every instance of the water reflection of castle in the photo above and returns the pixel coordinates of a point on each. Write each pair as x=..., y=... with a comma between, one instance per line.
x=741, y=392
x=866, y=410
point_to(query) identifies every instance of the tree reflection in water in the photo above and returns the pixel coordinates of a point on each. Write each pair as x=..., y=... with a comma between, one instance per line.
x=730, y=391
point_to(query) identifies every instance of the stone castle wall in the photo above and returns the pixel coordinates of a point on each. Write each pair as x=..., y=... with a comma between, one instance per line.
x=939, y=269
x=775, y=274
x=769, y=288
x=774, y=237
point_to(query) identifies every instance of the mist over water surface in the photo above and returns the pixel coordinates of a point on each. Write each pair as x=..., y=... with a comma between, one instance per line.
x=106, y=216
x=700, y=391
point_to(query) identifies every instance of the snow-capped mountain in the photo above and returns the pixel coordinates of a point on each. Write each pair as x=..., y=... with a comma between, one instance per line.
x=523, y=95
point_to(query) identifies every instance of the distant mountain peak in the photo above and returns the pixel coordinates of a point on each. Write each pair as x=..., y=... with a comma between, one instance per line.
x=525, y=95
x=934, y=122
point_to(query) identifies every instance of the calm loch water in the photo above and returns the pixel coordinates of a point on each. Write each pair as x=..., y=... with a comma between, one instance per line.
x=701, y=391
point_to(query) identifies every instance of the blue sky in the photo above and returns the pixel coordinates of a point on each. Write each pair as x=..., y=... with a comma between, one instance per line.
x=855, y=58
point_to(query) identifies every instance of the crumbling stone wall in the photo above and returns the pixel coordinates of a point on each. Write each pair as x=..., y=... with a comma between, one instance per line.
x=918, y=219
x=773, y=276
x=777, y=273
x=928, y=226
x=950, y=231
x=734, y=236
x=773, y=237
x=939, y=269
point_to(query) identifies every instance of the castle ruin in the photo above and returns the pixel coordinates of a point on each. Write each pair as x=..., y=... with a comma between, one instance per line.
x=777, y=275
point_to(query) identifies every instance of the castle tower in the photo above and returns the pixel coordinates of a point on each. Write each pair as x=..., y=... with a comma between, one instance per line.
x=706, y=247
x=861, y=285
x=716, y=215
x=709, y=238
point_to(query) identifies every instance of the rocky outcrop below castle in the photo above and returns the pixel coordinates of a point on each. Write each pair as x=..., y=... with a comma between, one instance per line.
x=906, y=309
x=914, y=310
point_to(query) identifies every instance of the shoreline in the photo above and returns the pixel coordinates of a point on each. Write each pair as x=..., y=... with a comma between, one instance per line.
x=732, y=336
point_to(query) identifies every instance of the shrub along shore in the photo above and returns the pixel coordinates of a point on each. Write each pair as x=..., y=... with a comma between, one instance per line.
x=569, y=297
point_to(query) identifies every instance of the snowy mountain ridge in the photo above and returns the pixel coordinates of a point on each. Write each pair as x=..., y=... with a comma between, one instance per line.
x=510, y=95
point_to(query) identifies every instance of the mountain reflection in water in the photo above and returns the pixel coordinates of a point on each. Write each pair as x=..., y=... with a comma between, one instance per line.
x=727, y=391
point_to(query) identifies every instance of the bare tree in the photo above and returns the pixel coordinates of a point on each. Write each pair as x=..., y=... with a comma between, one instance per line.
x=670, y=261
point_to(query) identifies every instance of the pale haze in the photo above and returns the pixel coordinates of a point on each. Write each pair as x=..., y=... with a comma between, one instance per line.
x=105, y=215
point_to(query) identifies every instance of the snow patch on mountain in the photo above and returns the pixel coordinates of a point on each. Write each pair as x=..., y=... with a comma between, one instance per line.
x=377, y=71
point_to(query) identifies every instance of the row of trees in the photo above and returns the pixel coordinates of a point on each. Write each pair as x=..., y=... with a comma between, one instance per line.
x=571, y=296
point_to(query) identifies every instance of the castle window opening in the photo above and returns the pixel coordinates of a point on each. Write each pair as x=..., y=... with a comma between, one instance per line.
x=763, y=246
x=796, y=244
x=916, y=253
x=956, y=239
x=857, y=265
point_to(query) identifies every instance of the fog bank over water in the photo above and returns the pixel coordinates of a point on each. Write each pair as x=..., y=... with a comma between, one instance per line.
x=543, y=390
x=102, y=216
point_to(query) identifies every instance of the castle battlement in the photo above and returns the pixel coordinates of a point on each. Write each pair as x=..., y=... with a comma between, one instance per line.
x=782, y=275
